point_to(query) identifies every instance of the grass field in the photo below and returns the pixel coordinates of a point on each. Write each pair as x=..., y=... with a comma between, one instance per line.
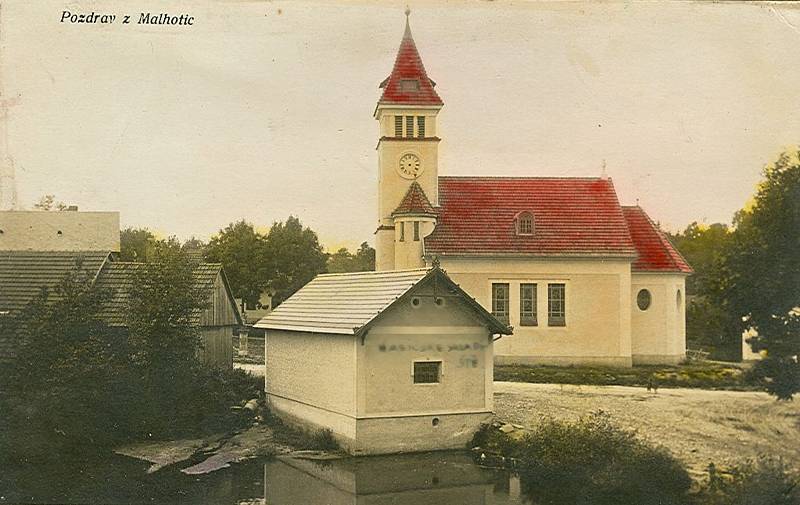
x=703, y=375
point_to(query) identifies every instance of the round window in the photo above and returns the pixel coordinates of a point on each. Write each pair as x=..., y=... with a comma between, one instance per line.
x=415, y=302
x=643, y=299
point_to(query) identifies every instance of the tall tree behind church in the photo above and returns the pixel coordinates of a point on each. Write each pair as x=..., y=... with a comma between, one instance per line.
x=294, y=257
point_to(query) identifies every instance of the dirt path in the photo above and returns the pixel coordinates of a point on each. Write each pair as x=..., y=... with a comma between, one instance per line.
x=698, y=426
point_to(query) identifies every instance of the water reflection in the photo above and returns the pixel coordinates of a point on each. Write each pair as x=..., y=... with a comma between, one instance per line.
x=417, y=479
x=433, y=478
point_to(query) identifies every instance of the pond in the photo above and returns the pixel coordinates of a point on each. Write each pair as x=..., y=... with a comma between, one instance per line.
x=443, y=478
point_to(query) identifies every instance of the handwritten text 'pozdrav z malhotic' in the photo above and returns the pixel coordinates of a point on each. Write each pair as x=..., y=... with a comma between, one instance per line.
x=143, y=18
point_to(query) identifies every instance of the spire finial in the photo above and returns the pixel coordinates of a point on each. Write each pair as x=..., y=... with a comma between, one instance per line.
x=407, y=34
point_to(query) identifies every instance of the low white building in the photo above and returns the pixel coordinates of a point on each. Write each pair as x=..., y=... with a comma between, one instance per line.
x=394, y=361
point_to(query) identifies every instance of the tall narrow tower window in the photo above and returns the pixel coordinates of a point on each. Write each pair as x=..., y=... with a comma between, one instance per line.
x=416, y=231
x=421, y=126
x=398, y=126
x=409, y=126
x=402, y=231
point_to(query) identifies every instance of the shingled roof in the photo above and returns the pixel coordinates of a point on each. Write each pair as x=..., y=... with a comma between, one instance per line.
x=349, y=303
x=415, y=203
x=118, y=278
x=572, y=217
x=408, y=67
x=23, y=274
x=655, y=252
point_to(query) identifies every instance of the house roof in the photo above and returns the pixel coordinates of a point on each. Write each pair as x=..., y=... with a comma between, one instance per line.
x=408, y=66
x=655, y=252
x=24, y=274
x=415, y=202
x=572, y=217
x=118, y=278
x=349, y=303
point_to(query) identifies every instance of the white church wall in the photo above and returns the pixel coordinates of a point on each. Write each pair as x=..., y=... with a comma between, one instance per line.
x=597, y=329
x=659, y=331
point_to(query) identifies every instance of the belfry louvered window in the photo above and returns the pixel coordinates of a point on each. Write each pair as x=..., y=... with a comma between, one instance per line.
x=409, y=126
x=421, y=126
x=398, y=126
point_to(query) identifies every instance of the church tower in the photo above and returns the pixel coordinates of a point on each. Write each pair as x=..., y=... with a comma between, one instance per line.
x=408, y=152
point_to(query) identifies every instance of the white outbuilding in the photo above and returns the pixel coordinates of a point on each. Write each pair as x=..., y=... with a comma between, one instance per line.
x=392, y=361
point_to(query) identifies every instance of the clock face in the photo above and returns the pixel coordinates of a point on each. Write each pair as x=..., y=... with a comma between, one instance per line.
x=410, y=166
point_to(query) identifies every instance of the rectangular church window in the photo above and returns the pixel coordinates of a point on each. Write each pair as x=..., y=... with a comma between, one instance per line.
x=500, y=296
x=556, y=305
x=527, y=305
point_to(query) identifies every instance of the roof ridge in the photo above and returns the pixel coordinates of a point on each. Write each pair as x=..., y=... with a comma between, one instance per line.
x=372, y=272
x=548, y=177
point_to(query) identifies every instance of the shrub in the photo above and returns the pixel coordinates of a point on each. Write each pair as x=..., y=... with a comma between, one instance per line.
x=591, y=461
x=762, y=482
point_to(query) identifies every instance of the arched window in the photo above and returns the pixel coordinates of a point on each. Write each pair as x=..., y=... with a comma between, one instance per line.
x=679, y=299
x=524, y=223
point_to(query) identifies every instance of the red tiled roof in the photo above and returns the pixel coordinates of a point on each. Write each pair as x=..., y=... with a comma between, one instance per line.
x=415, y=202
x=408, y=65
x=656, y=252
x=572, y=216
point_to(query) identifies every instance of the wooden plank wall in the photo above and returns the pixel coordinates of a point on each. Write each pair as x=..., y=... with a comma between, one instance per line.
x=221, y=312
x=217, y=348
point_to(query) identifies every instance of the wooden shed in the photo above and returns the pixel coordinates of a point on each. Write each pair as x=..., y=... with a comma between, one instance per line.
x=395, y=361
x=24, y=274
x=217, y=323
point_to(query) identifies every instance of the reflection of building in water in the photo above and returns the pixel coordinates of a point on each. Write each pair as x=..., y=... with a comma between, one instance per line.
x=419, y=479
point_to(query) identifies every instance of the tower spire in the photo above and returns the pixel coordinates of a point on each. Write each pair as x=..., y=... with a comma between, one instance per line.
x=409, y=84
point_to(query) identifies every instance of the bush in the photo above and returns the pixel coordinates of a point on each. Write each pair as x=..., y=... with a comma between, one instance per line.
x=761, y=482
x=591, y=461
x=77, y=385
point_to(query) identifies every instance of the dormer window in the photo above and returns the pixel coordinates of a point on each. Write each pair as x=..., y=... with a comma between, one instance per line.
x=525, y=223
x=409, y=85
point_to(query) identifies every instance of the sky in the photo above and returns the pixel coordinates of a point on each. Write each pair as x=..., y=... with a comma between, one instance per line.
x=263, y=109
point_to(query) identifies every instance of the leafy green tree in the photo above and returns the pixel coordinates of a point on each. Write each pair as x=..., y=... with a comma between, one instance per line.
x=136, y=244
x=764, y=274
x=709, y=322
x=243, y=254
x=64, y=372
x=344, y=261
x=294, y=257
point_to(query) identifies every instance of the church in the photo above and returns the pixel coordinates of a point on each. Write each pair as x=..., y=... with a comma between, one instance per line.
x=581, y=278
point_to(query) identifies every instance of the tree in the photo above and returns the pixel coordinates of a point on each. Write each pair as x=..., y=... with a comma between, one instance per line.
x=242, y=252
x=764, y=274
x=294, y=257
x=48, y=202
x=64, y=372
x=709, y=323
x=136, y=244
x=344, y=261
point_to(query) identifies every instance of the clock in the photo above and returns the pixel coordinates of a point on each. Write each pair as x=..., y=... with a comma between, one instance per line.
x=410, y=166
